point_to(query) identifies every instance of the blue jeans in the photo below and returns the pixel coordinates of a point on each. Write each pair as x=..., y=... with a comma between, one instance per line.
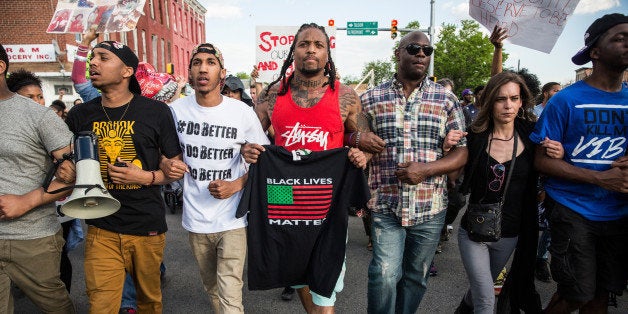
x=128, y=291
x=399, y=269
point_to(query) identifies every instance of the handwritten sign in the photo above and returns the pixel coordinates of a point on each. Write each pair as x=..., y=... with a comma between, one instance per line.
x=535, y=24
x=30, y=53
x=75, y=16
x=272, y=45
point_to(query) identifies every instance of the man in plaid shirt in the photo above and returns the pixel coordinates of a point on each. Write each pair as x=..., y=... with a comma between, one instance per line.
x=408, y=178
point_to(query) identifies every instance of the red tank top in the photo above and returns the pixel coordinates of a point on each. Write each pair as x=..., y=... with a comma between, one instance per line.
x=317, y=128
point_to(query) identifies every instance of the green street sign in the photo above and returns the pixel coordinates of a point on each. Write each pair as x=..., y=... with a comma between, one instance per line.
x=362, y=32
x=361, y=25
x=361, y=28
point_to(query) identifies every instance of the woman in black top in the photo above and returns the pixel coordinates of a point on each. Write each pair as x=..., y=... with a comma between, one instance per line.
x=505, y=107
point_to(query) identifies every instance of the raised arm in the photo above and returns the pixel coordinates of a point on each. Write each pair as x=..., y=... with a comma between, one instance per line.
x=497, y=37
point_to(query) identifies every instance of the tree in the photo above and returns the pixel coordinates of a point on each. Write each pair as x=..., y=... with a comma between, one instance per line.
x=349, y=80
x=464, y=55
x=242, y=75
x=383, y=70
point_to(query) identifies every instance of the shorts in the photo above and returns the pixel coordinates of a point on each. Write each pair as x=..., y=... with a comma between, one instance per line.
x=587, y=255
x=324, y=301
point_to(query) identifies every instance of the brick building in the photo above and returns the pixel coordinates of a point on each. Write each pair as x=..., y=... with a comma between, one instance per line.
x=584, y=72
x=166, y=33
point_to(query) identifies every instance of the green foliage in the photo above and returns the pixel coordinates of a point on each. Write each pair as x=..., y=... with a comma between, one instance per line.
x=350, y=79
x=242, y=75
x=383, y=70
x=464, y=55
x=412, y=24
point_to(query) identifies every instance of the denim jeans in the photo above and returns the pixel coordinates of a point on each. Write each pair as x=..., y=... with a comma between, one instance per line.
x=399, y=269
x=129, y=293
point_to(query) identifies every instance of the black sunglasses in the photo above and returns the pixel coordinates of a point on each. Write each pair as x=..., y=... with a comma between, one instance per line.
x=415, y=48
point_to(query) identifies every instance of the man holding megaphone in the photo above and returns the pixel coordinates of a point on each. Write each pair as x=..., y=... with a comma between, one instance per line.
x=132, y=132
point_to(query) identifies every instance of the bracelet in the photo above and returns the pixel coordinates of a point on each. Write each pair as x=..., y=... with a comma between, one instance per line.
x=153, y=180
x=357, y=139
x=350, y=141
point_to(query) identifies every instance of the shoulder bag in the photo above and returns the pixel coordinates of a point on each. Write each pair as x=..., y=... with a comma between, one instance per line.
x=484, y=221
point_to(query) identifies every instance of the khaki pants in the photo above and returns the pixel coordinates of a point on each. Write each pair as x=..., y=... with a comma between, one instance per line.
x=33, y=265
x=109, y=256
x=220, y=257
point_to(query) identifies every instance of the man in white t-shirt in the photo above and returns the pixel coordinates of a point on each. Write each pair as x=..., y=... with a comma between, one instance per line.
x=211, y=128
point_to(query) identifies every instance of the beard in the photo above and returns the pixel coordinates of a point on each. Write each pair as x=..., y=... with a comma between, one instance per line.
x=310, y=72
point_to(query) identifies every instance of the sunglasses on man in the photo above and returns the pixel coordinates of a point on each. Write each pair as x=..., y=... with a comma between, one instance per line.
x=413, y=49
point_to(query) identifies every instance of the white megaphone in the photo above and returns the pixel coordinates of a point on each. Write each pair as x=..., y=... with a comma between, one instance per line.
x=89, y=199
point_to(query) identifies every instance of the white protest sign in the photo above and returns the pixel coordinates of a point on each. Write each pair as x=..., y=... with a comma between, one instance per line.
x=535, y=24
x=31, y=53
x=272, y=45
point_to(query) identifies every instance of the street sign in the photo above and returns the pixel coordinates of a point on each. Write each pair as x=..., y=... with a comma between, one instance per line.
x=361, y=28
x=362, y=32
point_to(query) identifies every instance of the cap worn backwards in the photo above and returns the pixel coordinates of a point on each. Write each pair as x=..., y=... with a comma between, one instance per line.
x=208, y=48
x=129, y=59
x=594, y=32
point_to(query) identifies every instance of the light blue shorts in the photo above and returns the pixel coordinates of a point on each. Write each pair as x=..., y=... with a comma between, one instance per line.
x=324, y=301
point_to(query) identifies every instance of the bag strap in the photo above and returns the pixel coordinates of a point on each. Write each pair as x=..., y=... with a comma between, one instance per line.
x=512, y=165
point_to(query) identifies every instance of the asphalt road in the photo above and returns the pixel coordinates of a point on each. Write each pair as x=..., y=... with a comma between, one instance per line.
x=184, y=293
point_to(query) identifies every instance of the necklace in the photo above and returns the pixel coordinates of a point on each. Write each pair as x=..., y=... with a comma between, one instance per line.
x=502, y=139
x=124, y=113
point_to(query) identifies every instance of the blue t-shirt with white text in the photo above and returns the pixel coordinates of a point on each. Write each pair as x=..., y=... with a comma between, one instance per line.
x=592, y=126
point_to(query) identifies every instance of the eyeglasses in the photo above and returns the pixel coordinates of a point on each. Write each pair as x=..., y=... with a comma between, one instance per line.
x=498, y=171
x=415, y=48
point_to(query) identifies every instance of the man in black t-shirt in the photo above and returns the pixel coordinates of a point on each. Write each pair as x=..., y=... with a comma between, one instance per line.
x=133, y=131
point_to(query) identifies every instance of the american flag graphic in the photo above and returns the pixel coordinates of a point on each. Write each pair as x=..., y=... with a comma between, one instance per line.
x=304, y=202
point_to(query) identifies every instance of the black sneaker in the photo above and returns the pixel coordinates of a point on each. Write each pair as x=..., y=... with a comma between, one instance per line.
x=287, y=294
x=541, y=271
x=464, y=308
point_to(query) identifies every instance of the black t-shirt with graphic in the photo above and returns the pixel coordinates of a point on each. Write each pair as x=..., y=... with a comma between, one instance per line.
x=298, y=217
x=139, y=132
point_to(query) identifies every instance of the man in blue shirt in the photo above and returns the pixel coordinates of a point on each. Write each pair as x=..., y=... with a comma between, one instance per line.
x=588, y=187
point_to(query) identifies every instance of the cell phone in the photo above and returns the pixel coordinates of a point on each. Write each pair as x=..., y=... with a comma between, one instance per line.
x=119, y=164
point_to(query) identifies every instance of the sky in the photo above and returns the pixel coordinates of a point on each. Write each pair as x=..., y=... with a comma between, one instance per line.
x=230, y=24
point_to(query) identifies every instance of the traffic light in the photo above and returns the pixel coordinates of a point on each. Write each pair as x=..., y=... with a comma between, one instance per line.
x=393, y=29
x=330, y=22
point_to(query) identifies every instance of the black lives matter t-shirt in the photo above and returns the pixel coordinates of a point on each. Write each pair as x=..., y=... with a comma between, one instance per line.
x=140, y=133
x=298, y=217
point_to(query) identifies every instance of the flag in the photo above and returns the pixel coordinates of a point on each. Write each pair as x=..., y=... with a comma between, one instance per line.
x=303, y=202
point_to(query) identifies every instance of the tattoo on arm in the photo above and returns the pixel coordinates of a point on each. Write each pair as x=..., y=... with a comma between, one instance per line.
x=265, y=106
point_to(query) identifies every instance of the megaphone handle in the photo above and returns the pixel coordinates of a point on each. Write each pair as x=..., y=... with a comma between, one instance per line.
x=51, y=174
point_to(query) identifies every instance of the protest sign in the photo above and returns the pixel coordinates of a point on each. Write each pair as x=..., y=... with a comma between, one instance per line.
x=535, y=24
x=272, y=45
x=75, y=16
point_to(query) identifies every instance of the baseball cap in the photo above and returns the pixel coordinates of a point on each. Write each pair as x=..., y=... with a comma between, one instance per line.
x=208, y=48
x=466, y=92
x=235, y=83
x=127, y=56
x=594, y=32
